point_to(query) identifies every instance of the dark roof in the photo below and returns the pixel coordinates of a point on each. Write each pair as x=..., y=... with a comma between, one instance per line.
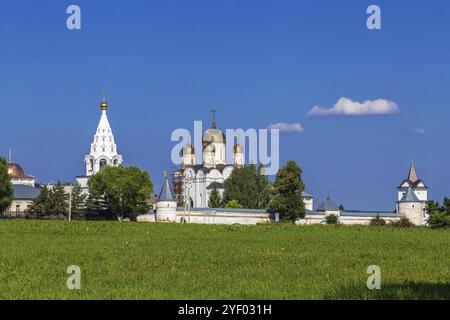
x=327, y=205
x=24, y=192
x=412, y=180
x=166, y=192
x=381, y=214
x=198, y=167
x=414, y=184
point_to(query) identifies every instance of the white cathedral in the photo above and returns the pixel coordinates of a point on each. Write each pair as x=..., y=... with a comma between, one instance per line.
x=103, y=149
x=194, y=183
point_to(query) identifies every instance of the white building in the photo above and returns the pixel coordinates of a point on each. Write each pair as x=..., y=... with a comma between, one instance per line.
x=412, y=195
x=103, y=149
x=194, y=183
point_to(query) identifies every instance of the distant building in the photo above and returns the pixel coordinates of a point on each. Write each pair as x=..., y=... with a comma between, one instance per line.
x=103, y=151
x=193, y=183
x=25, y=190
x=412, y=197
x=411, y=204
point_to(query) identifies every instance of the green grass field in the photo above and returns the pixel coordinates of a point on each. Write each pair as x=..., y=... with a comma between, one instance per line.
x=174, y=261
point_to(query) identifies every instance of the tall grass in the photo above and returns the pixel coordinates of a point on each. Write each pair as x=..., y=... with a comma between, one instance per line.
x=174, y=261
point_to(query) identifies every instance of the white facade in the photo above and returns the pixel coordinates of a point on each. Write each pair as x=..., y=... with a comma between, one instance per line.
x=197, y=181
x=103, y=151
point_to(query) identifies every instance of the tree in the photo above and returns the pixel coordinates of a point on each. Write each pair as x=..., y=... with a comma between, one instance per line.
x=215, y=199
x=287, y=193
x=249, y=186
x=51, y=201
x=41, y=205
x=78, y=202
x=124, y=190
x=6, y=189
x=439, y=216
x=58, y=199
x=233, y=204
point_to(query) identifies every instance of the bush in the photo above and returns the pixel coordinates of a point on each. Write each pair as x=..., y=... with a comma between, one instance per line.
x=377, y=221
x=233, y=204
x=402, y=223
x=439, y=220
x=332, y=219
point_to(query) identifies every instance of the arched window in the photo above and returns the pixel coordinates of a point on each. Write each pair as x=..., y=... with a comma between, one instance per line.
x=102, y=164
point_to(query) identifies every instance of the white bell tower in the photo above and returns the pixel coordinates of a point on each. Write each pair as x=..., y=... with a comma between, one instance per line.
x=103, y=148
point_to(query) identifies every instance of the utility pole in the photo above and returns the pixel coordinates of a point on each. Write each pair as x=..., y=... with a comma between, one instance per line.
x=70, y=203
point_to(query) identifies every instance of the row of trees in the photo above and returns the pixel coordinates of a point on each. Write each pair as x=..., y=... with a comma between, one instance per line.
x=248, y=187
x=439, y=215
x=115, y=192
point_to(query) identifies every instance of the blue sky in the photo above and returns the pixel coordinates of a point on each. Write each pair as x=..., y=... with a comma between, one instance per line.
x=165, y=64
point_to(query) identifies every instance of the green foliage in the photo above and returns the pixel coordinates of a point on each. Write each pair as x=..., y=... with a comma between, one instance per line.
x=341, y=207
x=215, y=199
x=78, y=202
x=402, y=223
x=439, y=220
x=124, y=190
x=58, y=200
x=377, y=221
x=6, y=189
x=118, y=261
x=286, y=195
x=233, y=204
x=51, y=201
x=248, y=186
x=331, y=219
x=439, y=216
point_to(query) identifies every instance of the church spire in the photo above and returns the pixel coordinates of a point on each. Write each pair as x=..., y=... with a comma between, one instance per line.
x=213, y=125
x=412, y=176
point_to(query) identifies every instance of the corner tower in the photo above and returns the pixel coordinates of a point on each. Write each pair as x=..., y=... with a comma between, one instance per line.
x=417, y=185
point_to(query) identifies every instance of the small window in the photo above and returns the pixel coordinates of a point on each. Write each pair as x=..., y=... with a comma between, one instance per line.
x=102, y=164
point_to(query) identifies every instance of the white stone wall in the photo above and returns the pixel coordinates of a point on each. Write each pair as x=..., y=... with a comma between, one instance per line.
x=414, y=211
x=346, y=220
x=215, y=217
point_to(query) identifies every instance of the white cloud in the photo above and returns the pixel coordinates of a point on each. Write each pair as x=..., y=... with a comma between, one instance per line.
x=287, y=127
x=347, y=107
x=419, y=131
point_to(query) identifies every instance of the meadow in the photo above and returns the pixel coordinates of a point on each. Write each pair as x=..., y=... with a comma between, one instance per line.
x=174, y=261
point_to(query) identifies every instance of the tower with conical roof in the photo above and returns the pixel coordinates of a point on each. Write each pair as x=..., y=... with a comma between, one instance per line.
x=417, y=185
x=166, y=207
x=412, y=197
x=103, y=150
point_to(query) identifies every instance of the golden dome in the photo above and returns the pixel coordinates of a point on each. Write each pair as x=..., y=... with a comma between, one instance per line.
x=104, y=105
x=16, y=171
